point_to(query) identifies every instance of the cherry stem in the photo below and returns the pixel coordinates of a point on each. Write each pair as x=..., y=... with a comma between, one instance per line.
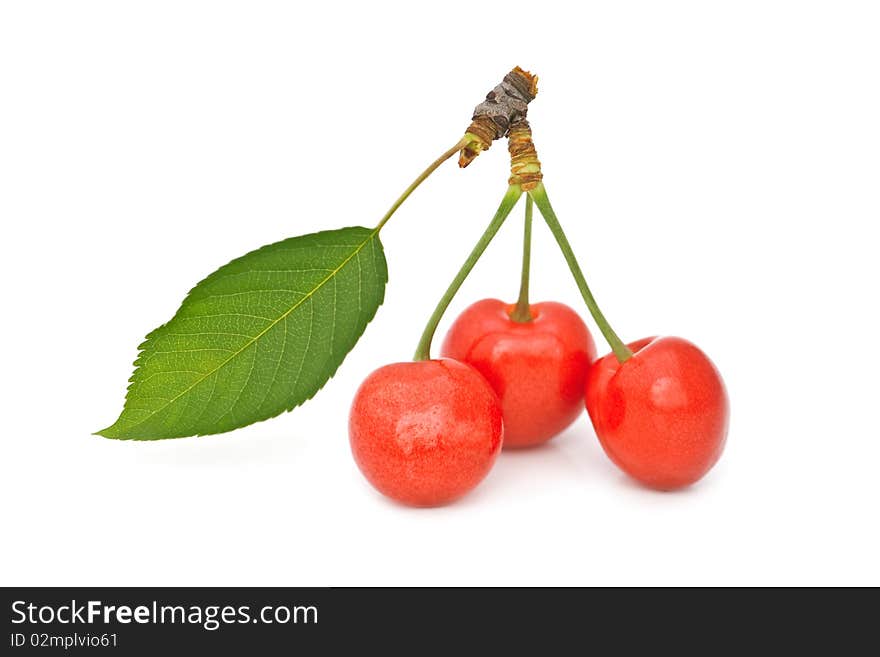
x=539, y=194
x=423, y=351
x=523, y=312
x=462, y=143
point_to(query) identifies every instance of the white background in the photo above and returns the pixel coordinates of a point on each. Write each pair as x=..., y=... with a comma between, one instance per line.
x=716, y=166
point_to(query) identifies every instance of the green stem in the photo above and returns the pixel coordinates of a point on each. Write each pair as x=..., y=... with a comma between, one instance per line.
x=523, y=312
x=423, y=351
x=539, y=194
x=464, y=141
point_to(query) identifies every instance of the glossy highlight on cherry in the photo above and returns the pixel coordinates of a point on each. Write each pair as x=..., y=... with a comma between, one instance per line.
x=425, y=433
x=662, y=415
x=537, y=367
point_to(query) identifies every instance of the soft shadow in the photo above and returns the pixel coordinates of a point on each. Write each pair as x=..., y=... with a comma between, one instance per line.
x=575, y=455
x=628, y=483
x=225, y=450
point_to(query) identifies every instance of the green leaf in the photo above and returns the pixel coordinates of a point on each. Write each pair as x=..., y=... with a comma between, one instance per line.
x=257, y=337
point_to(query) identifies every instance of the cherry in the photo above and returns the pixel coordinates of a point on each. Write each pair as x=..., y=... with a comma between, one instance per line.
x=426, y=432
x=537, y=367
x=661, y=415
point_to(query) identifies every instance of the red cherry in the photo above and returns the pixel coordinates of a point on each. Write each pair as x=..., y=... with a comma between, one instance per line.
x=662, y=415
x=538, y=368
x=425, y=433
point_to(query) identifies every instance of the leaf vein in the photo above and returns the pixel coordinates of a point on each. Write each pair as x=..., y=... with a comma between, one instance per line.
x=308, y=345
x=187, y=351
x=257, y=291
x=241, y=335
x=244, y=385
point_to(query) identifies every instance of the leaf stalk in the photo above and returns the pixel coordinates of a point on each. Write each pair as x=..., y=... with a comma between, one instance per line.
x=460, y=144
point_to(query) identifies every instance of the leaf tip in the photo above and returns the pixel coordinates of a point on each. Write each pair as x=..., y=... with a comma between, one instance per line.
x=107, y=432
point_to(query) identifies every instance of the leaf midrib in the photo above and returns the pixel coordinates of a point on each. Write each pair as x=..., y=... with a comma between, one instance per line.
x=269, y=327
